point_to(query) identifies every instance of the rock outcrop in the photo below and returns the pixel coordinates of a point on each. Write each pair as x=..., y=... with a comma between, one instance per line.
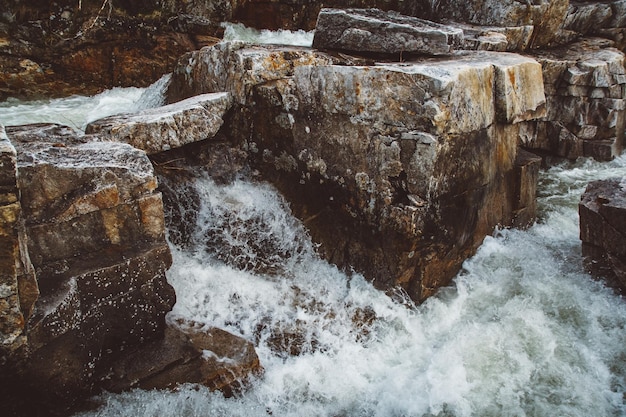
x=380, y=158
x=168, y=127
x=603, y=230
x=373, y=31
x=585, y=86
x=83, y=293
x=90, y=221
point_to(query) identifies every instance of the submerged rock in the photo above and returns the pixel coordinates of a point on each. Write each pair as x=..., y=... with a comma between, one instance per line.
x=603, y=230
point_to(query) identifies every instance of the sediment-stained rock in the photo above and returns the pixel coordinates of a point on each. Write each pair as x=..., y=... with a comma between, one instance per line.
x=400, y=168
x=603, y=230
x=168, y=127
x=375, y=31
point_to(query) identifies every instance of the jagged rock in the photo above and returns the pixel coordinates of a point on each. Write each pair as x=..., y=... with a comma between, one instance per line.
x=380, y=158
x=167, y=127
x=546, y=16
x=603, y=230
x=187, y=354
x=494, y=38
x=18, y=292
x=375, y=31
x=599, y=18
x=585, y=86
x=93, y=228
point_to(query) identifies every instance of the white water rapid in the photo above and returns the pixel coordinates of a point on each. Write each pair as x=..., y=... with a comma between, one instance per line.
x=523, y=331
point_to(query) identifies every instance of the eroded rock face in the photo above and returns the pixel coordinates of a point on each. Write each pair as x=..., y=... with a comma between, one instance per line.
x=374, y=31
x=167, y=127
x=92, y=222
x=383, y=159
x=603, y=230
x=585, y=86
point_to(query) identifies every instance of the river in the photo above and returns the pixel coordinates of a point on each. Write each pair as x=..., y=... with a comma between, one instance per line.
x=523, y=330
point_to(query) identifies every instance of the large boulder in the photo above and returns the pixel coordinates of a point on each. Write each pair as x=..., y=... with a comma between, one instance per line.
x=603, y=230
x=374, y=31
x=399, y=170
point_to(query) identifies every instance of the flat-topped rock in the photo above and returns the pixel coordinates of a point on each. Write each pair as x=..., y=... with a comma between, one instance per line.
x=546, y=16
x=168, y=127
x=602, y=212
x=385, y=154
x=375, y=31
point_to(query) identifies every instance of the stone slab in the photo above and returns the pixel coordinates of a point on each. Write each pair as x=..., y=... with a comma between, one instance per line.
x=375, y=31
x=168, y=127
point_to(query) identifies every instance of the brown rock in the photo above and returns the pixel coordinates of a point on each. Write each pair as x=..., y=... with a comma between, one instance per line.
x=603, y=230
x=211, y=357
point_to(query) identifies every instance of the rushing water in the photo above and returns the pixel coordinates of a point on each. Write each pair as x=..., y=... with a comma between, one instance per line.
x=77, y=111
x=522, y=332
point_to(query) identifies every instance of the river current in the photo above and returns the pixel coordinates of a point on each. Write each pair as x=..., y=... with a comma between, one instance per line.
x=523, y=330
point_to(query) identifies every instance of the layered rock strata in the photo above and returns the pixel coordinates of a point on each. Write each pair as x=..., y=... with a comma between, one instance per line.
x=382, y=161
x=585, y=86
x=603, y=230
x=94, y=232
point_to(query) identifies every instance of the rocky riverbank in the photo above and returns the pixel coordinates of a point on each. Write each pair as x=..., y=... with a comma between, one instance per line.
x=399, y=142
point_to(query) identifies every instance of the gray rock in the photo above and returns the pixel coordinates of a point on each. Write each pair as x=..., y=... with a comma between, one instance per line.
x=603, y=230
x=168, y=127
x=375, y=31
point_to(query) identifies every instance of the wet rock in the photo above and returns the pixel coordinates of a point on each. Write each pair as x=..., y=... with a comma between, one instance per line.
x=375, y=31
x=603, y=230
x=16, y=300
x=167, y=127
x=187, y=354
x=585, y=85
x=381, y=160
x=92, y=226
